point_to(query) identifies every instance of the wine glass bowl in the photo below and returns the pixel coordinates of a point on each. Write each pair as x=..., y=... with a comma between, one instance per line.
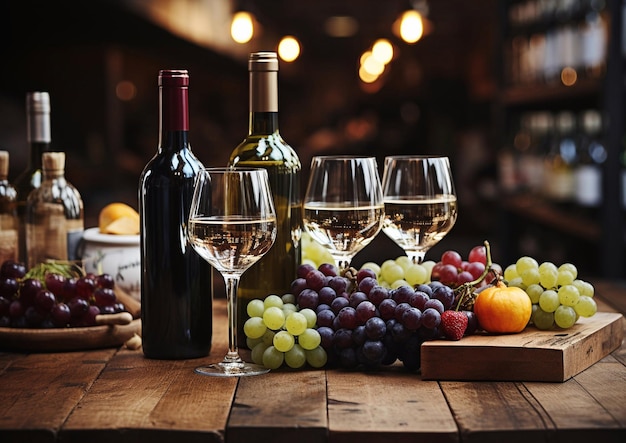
x=232, y=224
x=343, y=204
x=420, y=202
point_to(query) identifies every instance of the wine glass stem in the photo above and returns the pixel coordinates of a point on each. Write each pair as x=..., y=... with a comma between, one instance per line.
x=232, y=283
x=417, y=257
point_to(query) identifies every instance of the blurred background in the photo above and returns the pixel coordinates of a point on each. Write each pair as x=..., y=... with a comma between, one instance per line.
x=462, y=85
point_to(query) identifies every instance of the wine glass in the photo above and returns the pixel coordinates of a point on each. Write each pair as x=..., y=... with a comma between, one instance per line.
x=420, y=202
x=232, y=224
x=343, y=204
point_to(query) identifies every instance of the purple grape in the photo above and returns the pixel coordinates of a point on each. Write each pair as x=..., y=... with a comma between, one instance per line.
x=347, y=318
x=367, y=284
x=359, y=335
x=326, y=333
x=8, y=287
x=104, y=297
x=387, y=308
x=364, y=273
x=375, y=328
x=304, y=269
x=356, y=298
x=399, y=311
x=412, y=318
x=69, y=289
x=328, y=269
x=373, y=351
x=445, y=295
x=418, y=300
x=44, y=300
x=433, y=303
x=78, y=307
x=298, y=285
x=364, y=311
x=342, y=338
x=425, y=289
x=105, y=281
x=29, y=289
x=308, y=298
x=321, y=307
x=55, y=283
x=399, y=333
x=326, y=295
x=315, y=280
x=85, y=287
x=403, y=294
x=431, y=318
x=472, y=322
x=326, y=318
x=33, y=316
x=339, y=284
x=16, y=309
x=60, y=315
x=89, y=319
x=346, y=358
x=338, y=304
x=377, y=294
x=12, y=269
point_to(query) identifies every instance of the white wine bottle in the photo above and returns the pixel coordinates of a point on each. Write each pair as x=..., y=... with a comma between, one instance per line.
x=265, y=148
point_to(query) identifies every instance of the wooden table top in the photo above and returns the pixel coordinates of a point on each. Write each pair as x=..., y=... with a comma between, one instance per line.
x=118, y=395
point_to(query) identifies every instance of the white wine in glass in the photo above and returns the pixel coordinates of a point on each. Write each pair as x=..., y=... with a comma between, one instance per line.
x=343, y=205
x=420, y=202
x=232, y=224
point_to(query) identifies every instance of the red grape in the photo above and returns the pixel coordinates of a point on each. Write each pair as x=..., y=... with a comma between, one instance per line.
x=478, y=254
x=453, y=258
x=448, y=274
x=476, y=269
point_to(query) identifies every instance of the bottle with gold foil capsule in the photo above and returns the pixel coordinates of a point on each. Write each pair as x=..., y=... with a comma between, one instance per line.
x=264, y=147
x=54, y=215
x=39, y=141
x=8, y=213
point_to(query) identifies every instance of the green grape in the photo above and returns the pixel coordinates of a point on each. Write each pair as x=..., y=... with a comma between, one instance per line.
x=289, y=308
x=565, y=317
x=392, y=273
x=273, y=300
x=311, y=317
x=585, y=288
x=309, y=339
x=288, y=298
x=283, y=341
x=532, y=314
x=296, y=323
x=586, y=306
x=569, y=267
x=314, y=253
x=524, y=263
x=252, y=342
x=568, y=295
x=416, y=275
x=372, y=266
x=542, y=319
x=255, y=308
x=295, y=357
x=530, y=276
x=268, y=337
x=564, y=277
x=549, y=300
x=317, y=357
x=257, y=353
x=510, y=273
x=273, y=358
x=401, y=282
x=429, y=265
x=518, y=282
x=274, y=317
x=254, y=327
x=534, y=291
x=548, y=274
x=387, y=263
x=404, y=262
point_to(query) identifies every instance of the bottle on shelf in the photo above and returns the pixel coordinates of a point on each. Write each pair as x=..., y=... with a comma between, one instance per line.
x=8, y=213
x=54, y=215
x=560, y=162
x=264, y=147
x=39, y=141
x=592, y=154
x=176, y=283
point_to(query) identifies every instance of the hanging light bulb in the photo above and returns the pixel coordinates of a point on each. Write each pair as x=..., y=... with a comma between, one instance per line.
x=242, y=27
x=289, y=48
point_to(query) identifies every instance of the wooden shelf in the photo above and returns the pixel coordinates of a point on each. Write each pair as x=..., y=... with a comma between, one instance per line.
x=536, y=94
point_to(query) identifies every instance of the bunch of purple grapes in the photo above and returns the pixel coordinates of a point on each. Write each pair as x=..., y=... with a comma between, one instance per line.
x=55, y=301
x=363, y=324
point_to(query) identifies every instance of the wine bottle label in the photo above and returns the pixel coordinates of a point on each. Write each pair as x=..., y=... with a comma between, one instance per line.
x=8, y=242
x=52, y=235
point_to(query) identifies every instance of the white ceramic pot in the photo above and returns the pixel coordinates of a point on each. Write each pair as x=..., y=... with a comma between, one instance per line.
x=116, y=255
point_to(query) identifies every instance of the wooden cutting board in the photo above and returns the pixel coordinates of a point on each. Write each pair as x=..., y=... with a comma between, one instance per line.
x=532, y=355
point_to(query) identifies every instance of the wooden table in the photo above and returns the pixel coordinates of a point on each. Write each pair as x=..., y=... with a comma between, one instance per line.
x=117, y=395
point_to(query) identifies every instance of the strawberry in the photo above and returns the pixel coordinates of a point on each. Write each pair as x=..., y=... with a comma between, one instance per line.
x=453, y=324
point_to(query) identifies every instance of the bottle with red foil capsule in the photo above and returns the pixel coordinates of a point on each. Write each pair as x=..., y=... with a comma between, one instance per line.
x=176, y=283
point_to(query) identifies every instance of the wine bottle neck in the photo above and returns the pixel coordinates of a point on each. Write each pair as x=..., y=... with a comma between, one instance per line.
x=173, y=108
x=263, y=123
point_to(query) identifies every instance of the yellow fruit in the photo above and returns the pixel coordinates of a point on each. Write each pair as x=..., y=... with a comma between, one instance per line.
x=503, y=309
x=118, y=218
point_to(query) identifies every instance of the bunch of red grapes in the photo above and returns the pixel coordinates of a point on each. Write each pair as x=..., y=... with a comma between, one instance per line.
x=453, y=271
x=54, y=301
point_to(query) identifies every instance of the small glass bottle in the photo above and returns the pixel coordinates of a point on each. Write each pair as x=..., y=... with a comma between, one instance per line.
x=592, y=154
x=39, y=141
x=8, y=213
x=54, y=215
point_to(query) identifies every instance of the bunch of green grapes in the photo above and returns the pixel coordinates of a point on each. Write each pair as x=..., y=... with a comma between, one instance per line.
x=393, y=273
x=559, y=297
x=277, y=332
x=314, y=253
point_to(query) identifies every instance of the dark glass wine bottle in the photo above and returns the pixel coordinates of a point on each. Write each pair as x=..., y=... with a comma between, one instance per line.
x=8, y=213
x=176, y=283
x=265, y=148
x=39, y=141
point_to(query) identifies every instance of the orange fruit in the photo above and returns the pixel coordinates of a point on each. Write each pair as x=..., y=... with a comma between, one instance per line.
x=118, y=218
x=503, y=309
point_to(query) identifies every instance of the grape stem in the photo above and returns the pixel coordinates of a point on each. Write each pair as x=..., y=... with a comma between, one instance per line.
x=466, y=289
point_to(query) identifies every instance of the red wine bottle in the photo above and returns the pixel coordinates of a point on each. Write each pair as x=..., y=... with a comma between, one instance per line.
x=176, y=283
x=38, y=138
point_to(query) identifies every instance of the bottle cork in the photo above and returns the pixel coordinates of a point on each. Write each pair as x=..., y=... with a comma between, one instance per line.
x=4, y=164
x=53, y=161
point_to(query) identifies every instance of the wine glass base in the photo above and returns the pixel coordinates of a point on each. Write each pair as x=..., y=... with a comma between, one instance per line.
x=231, y=369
